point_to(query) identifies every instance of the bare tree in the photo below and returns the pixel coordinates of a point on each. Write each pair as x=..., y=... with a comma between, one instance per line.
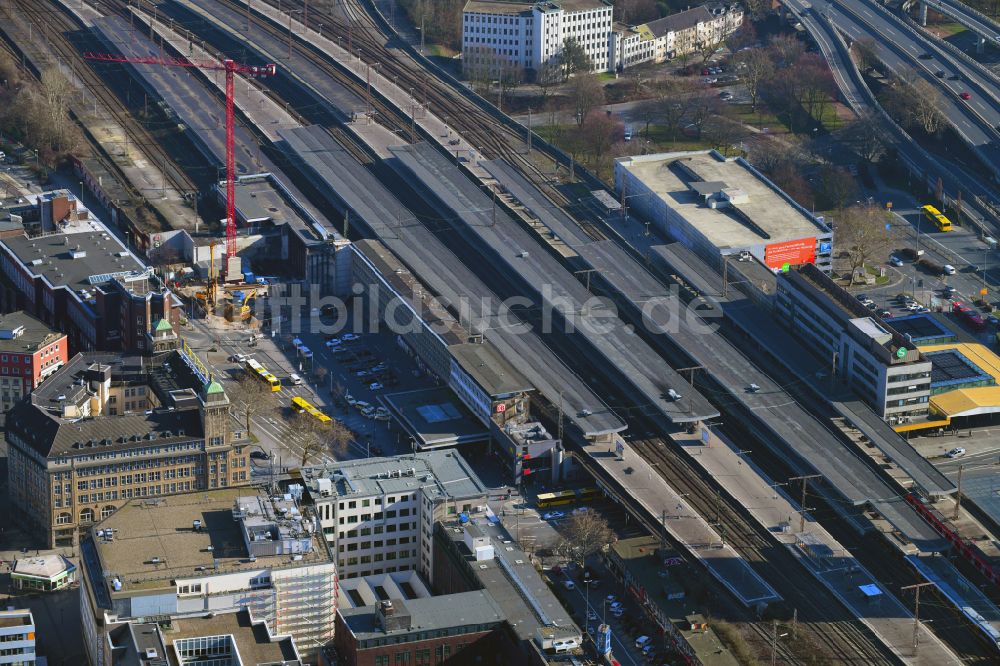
x=320, y=373
x=837, y=188
x=925, y=107
x=862, y=233
x=247, y=396
x=597, y=134
x=547, y=76
x=864, y=136
x=756, y=9
x=700, y=107
x=305, y=431
x=755, y=67
x=865, y=52
x=785, y=50
x=723, y=132
x=584, y=533
x=634, y=12
x=815, y=85
x=574, y=58
x=586, y=93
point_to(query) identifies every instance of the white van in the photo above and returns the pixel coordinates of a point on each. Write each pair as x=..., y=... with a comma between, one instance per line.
x=294, y=379
x=642, y=640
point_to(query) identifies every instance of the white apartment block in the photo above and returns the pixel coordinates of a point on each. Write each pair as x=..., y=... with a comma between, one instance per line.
x=500, y=35
x=17, y=637
x=379, y=513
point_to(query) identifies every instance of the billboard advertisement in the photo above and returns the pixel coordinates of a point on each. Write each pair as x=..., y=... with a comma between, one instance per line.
x=800, y=251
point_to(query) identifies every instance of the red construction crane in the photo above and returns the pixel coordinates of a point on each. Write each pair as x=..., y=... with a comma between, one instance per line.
x=230, y=68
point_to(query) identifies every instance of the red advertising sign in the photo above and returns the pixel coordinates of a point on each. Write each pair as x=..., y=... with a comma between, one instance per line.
x=501, y=408
x=801, y=251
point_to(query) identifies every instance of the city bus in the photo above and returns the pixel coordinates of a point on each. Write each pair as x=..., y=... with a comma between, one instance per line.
x=261, y=373
x=301, y=405
x=561, y=497
x=934, y=215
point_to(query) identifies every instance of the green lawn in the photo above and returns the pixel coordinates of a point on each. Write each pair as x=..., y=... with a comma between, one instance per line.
x=761, y=118
x=439, y=50
x=947, y=29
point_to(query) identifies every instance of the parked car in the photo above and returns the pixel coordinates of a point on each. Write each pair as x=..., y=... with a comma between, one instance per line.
x=628, y=132
x=375, y=386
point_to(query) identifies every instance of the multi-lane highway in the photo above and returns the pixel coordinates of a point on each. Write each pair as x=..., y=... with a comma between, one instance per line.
x=982, y=25
x=911, y=55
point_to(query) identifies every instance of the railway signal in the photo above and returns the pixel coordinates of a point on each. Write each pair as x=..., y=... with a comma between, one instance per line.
x=231, y=68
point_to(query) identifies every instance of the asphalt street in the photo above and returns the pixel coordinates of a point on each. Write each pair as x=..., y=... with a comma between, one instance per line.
x=905, y=52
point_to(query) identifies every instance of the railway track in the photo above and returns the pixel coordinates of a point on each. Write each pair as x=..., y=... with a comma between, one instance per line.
x=57, y=26
x=363, y=36
x=848, y=641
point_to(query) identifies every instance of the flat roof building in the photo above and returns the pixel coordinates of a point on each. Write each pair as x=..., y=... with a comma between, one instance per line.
x=17, y=636
x=477, y=554
x=42, y=573
x=473, y=368
x=435, y=418
x=456, y=628
x=236, y=639
x=883, y=367
x=528, y=36
x=218, y=551
x=365, y=504
x=719, y=206
x=79, y=278
x=655, y=580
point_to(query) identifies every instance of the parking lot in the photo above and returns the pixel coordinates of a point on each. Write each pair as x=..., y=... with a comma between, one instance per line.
x=343, y=379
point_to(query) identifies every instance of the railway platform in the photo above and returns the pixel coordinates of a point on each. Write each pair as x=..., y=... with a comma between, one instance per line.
x=248, y=97
x=144, y=174
x=648, y=488
x=815, y=548
x=435, y=128
x=968, y=598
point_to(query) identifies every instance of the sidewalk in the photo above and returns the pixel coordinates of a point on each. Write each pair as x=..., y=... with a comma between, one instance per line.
x=666, y=505
x=822, y=555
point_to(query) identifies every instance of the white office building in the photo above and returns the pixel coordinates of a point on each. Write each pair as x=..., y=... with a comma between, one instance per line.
x=379, y=513
x=518, y=35
x=883, y=367
x=17, y=637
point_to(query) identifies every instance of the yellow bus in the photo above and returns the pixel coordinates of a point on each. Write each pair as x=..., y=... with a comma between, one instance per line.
x=302, y=405
x=561, y=497
x=261, y=373
x=934, y=215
